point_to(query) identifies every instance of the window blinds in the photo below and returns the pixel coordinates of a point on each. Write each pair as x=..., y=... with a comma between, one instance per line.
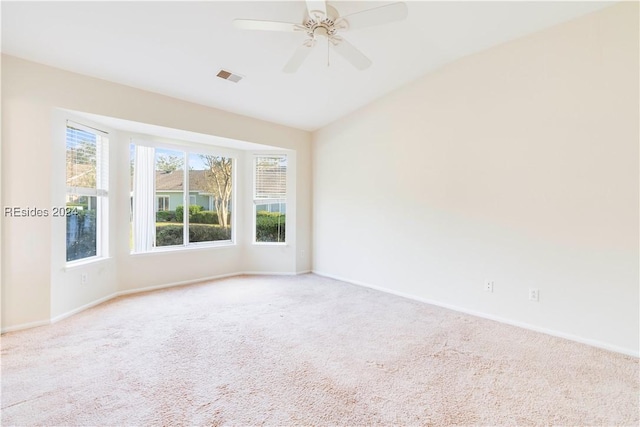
x=87, y=162
x=271, y=177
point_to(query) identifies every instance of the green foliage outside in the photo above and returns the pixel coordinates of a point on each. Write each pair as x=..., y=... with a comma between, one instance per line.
x=172, y=234
x=196, y=216
x=168, y=163
x=166, y=216
x=270, y=226
x=193, y=210
x=204, y=217
x=204, y=227
x=207, y=233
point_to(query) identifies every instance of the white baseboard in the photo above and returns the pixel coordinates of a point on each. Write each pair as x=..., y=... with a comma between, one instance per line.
x=594, y=343
x=25, y=326
x=174, y=284
x=552, y=332
x=137, y=291
x=83, y=308
x=267, y=273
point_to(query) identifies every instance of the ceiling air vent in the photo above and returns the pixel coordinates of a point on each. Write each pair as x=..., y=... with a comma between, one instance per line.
x=228, y=75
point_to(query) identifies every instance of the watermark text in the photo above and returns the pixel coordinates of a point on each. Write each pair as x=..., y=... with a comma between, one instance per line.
x=29, y=212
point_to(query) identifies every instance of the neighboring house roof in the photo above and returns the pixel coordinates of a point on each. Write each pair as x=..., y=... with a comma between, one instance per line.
x=270, y=181
x=173, y=181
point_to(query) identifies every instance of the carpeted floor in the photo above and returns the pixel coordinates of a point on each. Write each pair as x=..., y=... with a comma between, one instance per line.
x=303, y=350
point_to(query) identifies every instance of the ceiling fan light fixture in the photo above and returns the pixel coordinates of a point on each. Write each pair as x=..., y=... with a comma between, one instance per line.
x=324, y=21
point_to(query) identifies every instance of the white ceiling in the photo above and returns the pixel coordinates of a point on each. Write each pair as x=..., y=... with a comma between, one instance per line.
x=176, y=49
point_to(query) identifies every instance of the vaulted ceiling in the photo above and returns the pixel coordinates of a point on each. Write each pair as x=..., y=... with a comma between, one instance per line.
x=176, y=49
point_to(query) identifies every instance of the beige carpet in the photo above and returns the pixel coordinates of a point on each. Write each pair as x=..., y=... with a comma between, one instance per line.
x=303, y=350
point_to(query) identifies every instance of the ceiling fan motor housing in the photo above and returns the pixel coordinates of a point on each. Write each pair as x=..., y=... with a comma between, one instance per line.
x=317, y=24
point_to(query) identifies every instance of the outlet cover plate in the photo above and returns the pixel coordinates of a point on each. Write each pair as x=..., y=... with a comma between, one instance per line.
x=488, y=285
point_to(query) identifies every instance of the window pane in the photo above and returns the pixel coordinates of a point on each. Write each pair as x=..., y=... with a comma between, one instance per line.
x=132, y=162
x=82, y=227
x=270, y=222
x=210, y=191
x=270, y=192
x=81, y=158
x=170, y=197
x=87, y=184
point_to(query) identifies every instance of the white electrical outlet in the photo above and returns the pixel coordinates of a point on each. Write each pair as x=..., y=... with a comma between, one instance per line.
x=534, y=294
x=84, y=278
x=488, y=285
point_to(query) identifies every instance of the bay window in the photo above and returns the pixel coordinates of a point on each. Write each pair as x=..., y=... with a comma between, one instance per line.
x=181, y=197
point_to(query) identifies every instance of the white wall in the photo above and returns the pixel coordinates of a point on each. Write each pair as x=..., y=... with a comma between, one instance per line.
x=35, y=288
x=518, y=164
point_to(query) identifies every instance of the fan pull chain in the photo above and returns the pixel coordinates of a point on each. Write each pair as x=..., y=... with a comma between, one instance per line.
x=328, y=51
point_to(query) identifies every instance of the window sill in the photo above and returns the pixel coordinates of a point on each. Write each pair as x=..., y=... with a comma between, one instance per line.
x=270, y=244
x=73, y=265
x=174, y=249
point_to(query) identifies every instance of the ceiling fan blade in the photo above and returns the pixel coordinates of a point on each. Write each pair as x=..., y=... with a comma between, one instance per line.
x=253, y=24
x=298, y=57
x=317, y=6
x=377, y=16
x=350, y=53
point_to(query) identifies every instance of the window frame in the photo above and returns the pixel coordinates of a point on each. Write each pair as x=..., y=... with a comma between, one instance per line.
x=102, y=194
x=256, y=201
x=187, y=149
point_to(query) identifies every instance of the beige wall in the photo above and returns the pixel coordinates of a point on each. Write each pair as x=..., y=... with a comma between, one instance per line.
x=35, y=287
x=518, y=164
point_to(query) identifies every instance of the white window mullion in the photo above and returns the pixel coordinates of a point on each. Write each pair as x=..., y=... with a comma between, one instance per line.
x=185, y=200
x=102, y=193
x=81, y=191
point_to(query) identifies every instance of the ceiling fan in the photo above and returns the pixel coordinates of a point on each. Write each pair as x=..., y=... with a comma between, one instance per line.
x=324, y=21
